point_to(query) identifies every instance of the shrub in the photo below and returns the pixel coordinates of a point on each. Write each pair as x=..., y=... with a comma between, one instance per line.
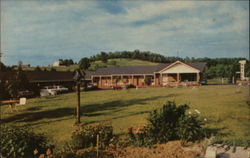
x=169, y=123
x=139, y=136
x=190, y=128
x=86, y=136
x=165, y=122
x=20, y=142
x=172, y=123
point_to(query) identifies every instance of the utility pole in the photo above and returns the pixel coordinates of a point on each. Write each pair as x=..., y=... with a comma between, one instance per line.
x=78, y=111
x=78, y=77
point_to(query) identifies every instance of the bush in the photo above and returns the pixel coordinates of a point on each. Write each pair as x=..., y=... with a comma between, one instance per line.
x=190, y=128
x=139, y=136
x=172, y=123
x=20, y=142
x=169, y=123
x=86, y=136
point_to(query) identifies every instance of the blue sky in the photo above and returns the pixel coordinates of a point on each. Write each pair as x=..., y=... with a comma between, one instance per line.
x=39, y=32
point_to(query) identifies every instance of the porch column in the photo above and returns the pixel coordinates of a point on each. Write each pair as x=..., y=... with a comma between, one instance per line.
x=198, y=77
x=167, y=78
x=111, y=80
x=100, y=81
x=160, y=79
x=178, y=78
x=144, y=77
x=154, y=79
x=92, y=78
x=132, y=79
x=122, y=79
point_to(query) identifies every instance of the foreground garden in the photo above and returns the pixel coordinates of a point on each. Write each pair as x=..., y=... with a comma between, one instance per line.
x=126, y=118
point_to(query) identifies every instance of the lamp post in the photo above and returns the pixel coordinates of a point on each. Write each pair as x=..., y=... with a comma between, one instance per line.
x=79, y=75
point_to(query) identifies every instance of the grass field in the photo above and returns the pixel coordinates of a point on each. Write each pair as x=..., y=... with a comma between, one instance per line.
x=224, y=109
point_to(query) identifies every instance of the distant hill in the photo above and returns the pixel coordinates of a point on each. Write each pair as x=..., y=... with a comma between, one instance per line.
x=120, y=62
x=98, y=64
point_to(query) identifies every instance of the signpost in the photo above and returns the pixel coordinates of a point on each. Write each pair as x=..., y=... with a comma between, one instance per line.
x=79, y=75
x=242, y=69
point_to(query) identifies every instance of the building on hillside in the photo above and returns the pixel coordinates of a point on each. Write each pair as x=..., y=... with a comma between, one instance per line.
x=171, y=74
x=56, y=63
x=25, y=65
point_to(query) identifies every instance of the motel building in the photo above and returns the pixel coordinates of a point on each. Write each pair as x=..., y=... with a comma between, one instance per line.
x=171, y=74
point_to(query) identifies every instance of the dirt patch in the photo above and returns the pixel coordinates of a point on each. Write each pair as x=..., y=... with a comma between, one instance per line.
x=171, y=149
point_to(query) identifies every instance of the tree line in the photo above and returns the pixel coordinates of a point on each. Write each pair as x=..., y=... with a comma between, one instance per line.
x=66, y=62
x=158, y=58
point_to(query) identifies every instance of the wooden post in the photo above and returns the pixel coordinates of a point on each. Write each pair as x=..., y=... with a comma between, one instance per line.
x=97, y=145
x=78, y=121
x=92, y=79
x=132, y=79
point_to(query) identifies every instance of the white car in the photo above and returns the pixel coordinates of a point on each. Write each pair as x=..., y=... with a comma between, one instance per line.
x=50, y=89
x=61, y=89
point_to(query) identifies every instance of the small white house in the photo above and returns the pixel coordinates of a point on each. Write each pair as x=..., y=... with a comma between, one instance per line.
x=56, y=63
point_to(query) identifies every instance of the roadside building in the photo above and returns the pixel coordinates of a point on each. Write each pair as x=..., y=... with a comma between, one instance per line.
x=56, y=63
x=171, y=74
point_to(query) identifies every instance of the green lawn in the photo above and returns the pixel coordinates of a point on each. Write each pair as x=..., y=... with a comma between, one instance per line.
x=223, y=108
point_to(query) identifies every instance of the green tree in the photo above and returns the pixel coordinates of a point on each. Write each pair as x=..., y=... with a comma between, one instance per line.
x=84, y=63
x=16, y=83
x=104, y=57
x=38, y=69
x=53, y=69
x=2, y=67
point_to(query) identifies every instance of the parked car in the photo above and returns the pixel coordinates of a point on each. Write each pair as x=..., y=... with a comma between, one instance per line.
x=44, y=93
x=203, y=82
x=61, y=89
x=26, y=94
x=50, y=89
x=91, y=87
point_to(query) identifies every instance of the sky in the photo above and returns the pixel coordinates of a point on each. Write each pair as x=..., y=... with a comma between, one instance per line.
x=39, y=32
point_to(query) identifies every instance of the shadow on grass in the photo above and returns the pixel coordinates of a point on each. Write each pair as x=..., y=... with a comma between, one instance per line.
x=117, y=105
x=217, y=132
x=35, y=116
x=87, y=110
x=36, y=108
x=117, y=117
